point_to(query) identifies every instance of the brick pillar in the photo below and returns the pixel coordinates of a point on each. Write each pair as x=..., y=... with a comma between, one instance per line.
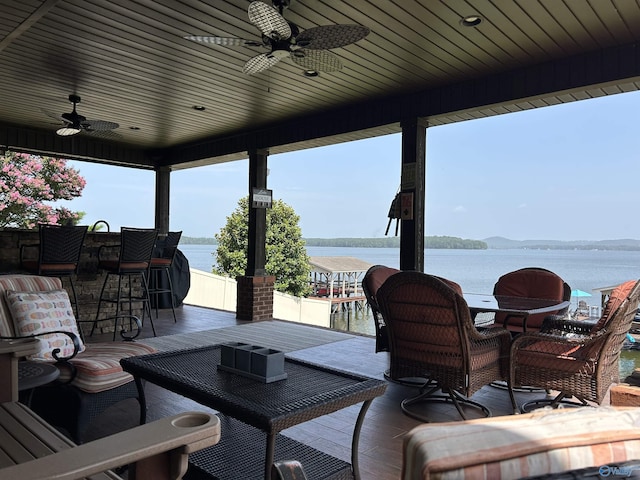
x=255, y=298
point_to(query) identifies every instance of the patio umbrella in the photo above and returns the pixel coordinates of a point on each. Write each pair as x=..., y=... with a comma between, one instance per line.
x=579, y=293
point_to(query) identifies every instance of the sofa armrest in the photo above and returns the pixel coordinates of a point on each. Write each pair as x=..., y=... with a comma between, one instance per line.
x=157, y=450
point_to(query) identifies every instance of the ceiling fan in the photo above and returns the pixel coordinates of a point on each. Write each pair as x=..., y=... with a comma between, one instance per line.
x=308, y=48
x=74, y=123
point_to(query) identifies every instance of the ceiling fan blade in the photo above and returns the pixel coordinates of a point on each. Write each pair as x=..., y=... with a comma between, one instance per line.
x=269, y=21
x=224, y=41
x=318, y=60
x=259, y=63
x=98, y=125
x=106, y=134
x=331, y=36
x=54, y=116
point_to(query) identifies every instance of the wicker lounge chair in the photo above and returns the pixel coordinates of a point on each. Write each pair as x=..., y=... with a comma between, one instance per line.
x=575, y=358
x=532, y=282
x=33, y=450
x=432, y=336
x=91, y=378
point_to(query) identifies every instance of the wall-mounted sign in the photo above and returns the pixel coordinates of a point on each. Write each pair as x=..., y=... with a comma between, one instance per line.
x=406, y=206
x=261, y=198
x=408, y=176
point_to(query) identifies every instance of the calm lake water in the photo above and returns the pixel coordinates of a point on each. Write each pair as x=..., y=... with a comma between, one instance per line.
x=477, y=270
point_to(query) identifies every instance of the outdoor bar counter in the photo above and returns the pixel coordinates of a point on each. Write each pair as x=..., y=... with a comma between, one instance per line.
x=89, y=281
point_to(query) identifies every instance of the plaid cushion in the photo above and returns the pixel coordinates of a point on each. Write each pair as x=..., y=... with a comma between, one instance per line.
x=519, y=446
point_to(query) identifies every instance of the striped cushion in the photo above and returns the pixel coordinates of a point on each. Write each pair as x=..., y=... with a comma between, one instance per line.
x=21, y=283
x=543, y=442
x=98, y=367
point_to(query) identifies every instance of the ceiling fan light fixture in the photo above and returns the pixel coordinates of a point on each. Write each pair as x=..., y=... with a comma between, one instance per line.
x=471, y=21
x=68, y=131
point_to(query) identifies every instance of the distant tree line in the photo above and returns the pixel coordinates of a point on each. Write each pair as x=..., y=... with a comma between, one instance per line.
x=440, y=242
x=197, y=241
x=620, y=248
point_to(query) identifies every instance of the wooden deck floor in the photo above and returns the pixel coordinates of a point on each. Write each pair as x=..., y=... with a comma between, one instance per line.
x=384, y=425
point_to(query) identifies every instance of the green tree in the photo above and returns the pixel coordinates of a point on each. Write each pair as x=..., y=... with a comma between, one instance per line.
x=286, y=255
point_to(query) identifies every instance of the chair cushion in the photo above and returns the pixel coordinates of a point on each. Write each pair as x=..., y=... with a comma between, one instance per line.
x=40, y=312
x=534, y=283
x=160, y=262
x=619, y=294
x=522, y=445
x=34, y=266
x=117, y=266
x=98, y=367
x=21, y=283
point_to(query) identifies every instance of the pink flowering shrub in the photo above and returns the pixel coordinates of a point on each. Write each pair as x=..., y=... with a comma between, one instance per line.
x=27, y=182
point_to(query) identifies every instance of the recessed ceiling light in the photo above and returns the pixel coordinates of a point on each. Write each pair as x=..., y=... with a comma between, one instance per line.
x=471, y=21
x=200, y=108
x=310, y=73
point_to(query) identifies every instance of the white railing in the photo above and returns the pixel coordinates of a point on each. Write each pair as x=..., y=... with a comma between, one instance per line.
x=215, y=291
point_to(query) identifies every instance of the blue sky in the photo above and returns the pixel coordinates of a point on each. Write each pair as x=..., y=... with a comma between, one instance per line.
x=566, y=172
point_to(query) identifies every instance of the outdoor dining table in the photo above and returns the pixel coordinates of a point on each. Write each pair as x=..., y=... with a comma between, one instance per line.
x=517, y=306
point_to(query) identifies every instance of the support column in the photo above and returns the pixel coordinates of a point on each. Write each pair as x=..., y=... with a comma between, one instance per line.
x=412, y=194
x=163, y=190
x=255, y=288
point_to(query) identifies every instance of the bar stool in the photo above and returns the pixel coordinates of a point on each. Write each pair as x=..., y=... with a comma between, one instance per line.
x=58, y=254
x=136, y=247
x=161, y=262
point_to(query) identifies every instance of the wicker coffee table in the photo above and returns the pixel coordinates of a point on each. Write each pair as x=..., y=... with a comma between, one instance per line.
x=253, y=413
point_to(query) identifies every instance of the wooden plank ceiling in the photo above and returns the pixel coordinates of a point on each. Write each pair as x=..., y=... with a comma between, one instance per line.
x=130, y=64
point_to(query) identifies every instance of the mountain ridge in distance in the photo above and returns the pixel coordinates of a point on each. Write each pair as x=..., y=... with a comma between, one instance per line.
x=622, y=244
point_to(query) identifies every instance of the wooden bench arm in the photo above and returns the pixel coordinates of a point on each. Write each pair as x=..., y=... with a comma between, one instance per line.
x=10, y=352
x=159, y=450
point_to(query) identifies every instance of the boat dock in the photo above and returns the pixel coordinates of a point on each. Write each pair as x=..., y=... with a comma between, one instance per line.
x=339, y=279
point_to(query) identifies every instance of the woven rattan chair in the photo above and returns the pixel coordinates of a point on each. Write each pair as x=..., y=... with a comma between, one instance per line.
x=432, y=336
x=134, y=258
x=161, y=263
x=575, y=358
x=58, y=254
x=91, y=377
x=531, y=282
x=371, y=282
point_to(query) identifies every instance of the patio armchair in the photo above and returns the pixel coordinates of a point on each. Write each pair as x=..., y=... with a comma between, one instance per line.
x=531, y=282
x=33, y=450
x=91, y=378
x=371, y=282
x=432, y=336
x=577, y=359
